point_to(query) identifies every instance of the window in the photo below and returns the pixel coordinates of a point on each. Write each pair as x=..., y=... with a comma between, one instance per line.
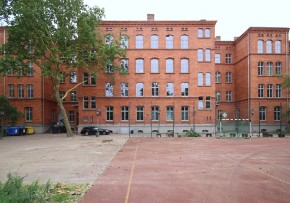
x=155, y=113
x=217, y=58
x=155, y=89
x=154, y=66
x=11, y=91
x=20, y=90
x=139, y=66
x=28, y=114
x=184, y=113
x=30, y=69
x=125, y=113
x=73, y=96
x=260, y=46
x=110, y=113
x=207, y=102
x=154, y=42
x=170, y=113
x=62, y=79
x=269, y=46
x=184, y=66
x=228, y=58
x=71, y=116
x=260, y=68
x=93, y=102
x=278, y=90
x=124, y=89
x=61, y=94
x=207, y=79
x=278, y=68
x=139, y=89
x=184, y=42
x=277, y=113
x=124, y=41
x=73, y=77
x=93, y=80
x=199, y=55
x=169, y=89
x=269, y=90
x=207, y=55
x=139, y=42
x=218, y=77
x=207, y=32
x=86, y=102
x=269, y=68
x=200, y=79
x=109, y=68
x=169, y=66
x=200, y=33
x=86, y=78
x=184, y=89
x=228, y=77
x=260, y=90
x=125, y=65
x=10, y=71
x=169, y=42
x=229, y=96
x=278, y=47
x=140, y=113
x=200, y=102
x=262, y=113
x=109, y=89
x=29, y=88
x=109, y=39
x=218, y=96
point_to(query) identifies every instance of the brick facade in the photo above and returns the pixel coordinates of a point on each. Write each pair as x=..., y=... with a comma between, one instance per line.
x=192, y=104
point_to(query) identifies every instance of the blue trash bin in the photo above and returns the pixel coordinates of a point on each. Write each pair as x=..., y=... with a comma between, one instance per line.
x=13, y=130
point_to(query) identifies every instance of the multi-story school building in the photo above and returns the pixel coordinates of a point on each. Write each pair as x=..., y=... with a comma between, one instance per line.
x=180, y=76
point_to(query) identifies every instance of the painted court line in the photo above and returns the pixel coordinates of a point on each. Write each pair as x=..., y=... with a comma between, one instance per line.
x=283, y=181
x=131, y=175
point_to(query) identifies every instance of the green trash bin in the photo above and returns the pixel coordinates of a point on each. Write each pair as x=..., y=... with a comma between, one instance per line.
x=30, y=130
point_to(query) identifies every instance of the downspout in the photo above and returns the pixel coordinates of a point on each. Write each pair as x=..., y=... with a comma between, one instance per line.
x=42, y=103
x=4, y=77
x=287, y=70
x=249, y=78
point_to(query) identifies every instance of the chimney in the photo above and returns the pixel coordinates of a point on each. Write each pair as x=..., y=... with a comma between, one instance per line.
x=150, y=17
x=218, y=38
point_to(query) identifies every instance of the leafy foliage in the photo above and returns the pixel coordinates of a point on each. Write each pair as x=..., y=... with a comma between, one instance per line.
x=10, y=112
x=192, y=133
x=58, y=36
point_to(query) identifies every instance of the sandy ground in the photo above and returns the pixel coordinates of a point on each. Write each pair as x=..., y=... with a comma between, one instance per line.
x=54, y=157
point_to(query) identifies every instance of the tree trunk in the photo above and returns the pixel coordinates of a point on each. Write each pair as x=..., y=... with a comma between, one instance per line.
x=63, y=112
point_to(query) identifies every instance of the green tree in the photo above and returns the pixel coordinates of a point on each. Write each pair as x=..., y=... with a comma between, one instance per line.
x=10, y=112
x=57, y=35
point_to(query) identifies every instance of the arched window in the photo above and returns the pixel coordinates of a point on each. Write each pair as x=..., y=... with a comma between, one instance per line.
x=169, y=42
x=207, y=55
x=154, y=41
x=139, y=41
x=199, y=55
x=260, y=46
x=184, y=42
x=218, y=77
x=278, y=47
x=154, y=66
x=269, y=46
x=184, y=66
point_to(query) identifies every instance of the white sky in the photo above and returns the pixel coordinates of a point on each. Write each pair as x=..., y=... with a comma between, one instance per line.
x=233, y=16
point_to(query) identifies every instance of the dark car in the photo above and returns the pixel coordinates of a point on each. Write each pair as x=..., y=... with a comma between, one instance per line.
x=93, y=130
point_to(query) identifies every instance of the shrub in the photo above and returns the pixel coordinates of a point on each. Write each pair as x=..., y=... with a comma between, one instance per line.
x=192, y=133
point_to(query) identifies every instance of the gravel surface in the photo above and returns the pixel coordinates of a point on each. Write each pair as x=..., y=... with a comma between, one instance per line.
x=54, y=157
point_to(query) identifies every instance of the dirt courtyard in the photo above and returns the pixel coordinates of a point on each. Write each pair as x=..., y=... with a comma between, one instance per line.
x=79, y=159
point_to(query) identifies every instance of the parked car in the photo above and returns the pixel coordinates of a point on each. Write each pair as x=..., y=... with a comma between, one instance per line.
x=93, y=130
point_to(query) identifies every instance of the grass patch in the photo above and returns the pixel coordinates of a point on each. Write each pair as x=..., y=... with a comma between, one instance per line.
x=14, y=190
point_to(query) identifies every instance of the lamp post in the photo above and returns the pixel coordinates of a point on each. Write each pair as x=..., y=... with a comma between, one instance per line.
x=251, y=127
x=194, y=111
x=2, y=127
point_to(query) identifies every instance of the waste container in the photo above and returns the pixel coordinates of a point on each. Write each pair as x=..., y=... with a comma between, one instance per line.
x=29, y=130
x=22, y=130
x=13, y=130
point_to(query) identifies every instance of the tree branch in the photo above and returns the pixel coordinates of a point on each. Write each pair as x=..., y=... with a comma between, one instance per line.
x=65, y=95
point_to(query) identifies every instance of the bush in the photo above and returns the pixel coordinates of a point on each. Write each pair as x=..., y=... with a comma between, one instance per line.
x=192, y=133
x=14, y=190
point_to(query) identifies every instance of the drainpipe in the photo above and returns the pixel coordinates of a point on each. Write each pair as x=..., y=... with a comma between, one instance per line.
x=249, y=78
x=287, y=71
x=42, y=103
x=4, y=78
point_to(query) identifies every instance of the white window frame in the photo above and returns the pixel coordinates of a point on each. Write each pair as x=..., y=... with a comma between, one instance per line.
x=139, y=89
x=139, y=65
x=154, y=65
x=139, y=42
x=169, y=42
x=184, y=66
x=154, y=41
x=169, y=65
x=184, y=41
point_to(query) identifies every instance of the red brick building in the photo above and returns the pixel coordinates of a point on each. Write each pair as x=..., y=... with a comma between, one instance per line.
x=180, y=76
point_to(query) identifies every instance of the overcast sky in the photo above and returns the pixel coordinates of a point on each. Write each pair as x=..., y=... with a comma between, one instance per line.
x=233, y=16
